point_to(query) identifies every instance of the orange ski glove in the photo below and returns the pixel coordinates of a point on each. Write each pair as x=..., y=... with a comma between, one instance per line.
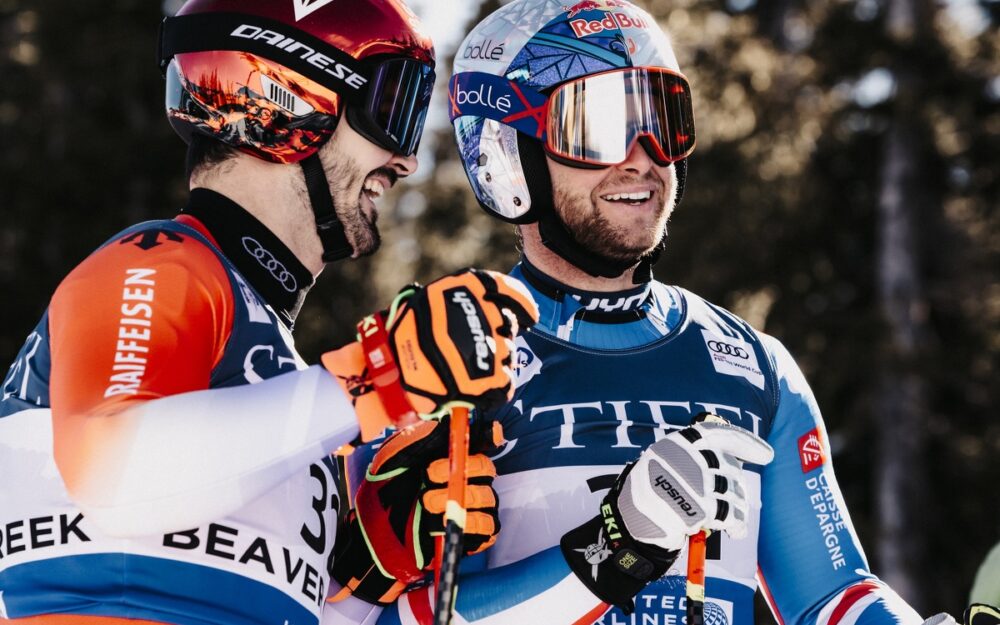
x=447, y=344
x=388, y=542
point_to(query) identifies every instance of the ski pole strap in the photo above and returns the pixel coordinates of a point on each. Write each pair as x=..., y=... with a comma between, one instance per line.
x=382, y=370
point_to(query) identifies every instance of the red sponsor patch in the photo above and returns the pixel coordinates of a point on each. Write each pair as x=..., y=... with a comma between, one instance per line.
x=811, y=451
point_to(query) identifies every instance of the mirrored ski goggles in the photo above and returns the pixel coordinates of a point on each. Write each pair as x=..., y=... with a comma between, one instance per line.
x=395, y=106
x=596, y=119
x=388, y=95
x=593, y=120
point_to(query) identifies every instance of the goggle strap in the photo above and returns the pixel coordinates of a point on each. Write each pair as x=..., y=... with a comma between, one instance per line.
x=299, y=51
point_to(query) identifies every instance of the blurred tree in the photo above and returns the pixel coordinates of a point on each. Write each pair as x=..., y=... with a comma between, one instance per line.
x=907, y=191
x=85, y=150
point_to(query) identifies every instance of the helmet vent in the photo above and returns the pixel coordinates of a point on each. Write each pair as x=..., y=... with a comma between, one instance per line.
x=285, y=98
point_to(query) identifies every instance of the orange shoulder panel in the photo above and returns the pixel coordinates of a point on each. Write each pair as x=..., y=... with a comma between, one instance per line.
x=146, y=316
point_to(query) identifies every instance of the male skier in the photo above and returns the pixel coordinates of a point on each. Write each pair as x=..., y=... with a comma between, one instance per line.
x=164, y=449
x=575, y=124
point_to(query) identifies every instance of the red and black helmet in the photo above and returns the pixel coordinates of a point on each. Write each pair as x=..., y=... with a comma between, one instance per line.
x=272, y=77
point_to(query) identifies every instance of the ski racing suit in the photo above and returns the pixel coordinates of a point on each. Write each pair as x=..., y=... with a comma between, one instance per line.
x=220, y=503
x=601, y=377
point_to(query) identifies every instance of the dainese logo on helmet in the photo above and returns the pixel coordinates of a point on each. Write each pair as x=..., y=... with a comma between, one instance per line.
x=293, y=47
x=612, y=21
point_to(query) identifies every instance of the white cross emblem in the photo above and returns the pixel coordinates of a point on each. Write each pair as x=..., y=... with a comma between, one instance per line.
x=303, y=8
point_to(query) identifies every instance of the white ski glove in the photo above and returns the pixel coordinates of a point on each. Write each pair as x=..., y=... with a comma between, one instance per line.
x=690, y=480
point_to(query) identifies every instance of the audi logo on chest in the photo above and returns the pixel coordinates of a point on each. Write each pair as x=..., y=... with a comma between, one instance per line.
x=734, y=355
x=730, y=350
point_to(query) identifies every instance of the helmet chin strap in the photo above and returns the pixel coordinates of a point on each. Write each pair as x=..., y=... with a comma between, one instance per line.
x=557, y=237
x=328, y=226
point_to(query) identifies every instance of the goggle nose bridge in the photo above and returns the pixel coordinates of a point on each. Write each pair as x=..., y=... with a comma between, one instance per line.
x=652, y=145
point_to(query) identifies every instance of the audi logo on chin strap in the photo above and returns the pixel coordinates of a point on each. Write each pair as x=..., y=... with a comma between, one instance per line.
x=269, y=262
x=730, y=350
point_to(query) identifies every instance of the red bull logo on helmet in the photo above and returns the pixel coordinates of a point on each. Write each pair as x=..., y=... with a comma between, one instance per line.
x=592, y=5
x=612, y=21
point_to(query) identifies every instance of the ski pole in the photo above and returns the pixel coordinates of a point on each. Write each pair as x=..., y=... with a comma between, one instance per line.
x=449, y=547
x=696, y=579
x=696, y=558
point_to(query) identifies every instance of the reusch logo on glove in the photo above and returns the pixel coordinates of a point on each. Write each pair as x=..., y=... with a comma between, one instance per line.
x=663, y=484
x=466, y=328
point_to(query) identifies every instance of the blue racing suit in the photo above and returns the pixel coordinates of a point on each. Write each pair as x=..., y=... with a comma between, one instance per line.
x=601, y=377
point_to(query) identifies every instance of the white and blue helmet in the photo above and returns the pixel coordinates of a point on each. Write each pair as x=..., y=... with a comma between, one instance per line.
x=503, y=72
x=541, y=44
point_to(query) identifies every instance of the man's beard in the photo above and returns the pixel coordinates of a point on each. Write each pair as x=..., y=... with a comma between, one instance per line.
x=595, y=232
x=362, y=232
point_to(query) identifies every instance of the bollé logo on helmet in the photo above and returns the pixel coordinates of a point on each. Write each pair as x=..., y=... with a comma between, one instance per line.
x=484, y=50
x=483, y=96
x=291, y=46
x=474, y=326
